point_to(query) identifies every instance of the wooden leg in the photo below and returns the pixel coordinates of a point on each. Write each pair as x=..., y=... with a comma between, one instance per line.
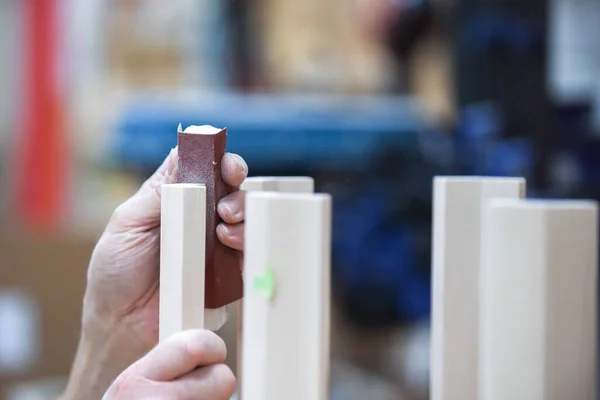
x=292, y=184
x=284, y=184
x=286, y=297
x=457, y=240
x=538, y=320
x=259, y=184
x=295, y=184
x=182, y=247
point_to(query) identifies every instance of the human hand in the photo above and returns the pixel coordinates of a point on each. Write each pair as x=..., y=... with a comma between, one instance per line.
x=120, y=311
x=186, y=366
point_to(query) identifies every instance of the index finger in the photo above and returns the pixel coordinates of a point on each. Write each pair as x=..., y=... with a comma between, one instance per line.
x=233, y=169
x=182, y=353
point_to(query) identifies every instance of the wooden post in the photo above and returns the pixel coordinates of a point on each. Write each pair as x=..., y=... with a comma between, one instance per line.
x=286, y=296
x=457, y=239
x=285, y=184
x=538, y=325
x=182, y=258
x=289, y=184
x=259, y=184
x=295, y=184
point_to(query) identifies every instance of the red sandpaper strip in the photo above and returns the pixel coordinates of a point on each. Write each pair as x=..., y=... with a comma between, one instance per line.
x=201, y=150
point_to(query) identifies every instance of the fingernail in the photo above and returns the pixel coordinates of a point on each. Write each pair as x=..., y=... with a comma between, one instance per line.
x=242, y=164
x=226, y=207
x=222, y=231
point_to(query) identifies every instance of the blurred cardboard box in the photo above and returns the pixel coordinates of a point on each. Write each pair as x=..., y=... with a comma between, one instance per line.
x=153, y=44
x=139, y=58
x=319, y=46
x=42, y=281
x=431, y=68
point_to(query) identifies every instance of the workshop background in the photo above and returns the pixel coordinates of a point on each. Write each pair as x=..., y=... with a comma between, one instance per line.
x=372, y=98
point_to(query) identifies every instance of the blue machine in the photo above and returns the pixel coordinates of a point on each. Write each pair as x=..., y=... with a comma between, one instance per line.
x=272, y=132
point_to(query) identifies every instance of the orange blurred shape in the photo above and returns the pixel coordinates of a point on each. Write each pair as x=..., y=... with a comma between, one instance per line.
x=41, y=164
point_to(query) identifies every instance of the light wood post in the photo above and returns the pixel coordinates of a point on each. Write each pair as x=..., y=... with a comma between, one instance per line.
x=183, y=225
x=286, y=297
x=457, y=239
x=539, y=309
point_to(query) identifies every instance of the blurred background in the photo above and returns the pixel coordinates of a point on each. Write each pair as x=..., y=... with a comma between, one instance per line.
x=372, y=98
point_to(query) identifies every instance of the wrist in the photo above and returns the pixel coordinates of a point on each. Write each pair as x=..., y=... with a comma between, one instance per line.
x=105, y=349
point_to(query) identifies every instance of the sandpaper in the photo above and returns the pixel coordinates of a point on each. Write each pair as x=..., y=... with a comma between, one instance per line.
x=200, y=156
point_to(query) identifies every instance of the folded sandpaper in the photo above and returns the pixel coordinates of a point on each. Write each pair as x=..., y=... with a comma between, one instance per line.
x=201, y=150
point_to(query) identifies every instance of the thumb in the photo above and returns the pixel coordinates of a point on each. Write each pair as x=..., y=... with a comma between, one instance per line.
x=142, y=210
x=182, y=353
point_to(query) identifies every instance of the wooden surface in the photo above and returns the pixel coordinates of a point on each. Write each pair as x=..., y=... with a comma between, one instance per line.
x=259, y=184
x=457, y=239
x=286, y=335
x=285, y=184
x=295, y=184
x=540, y=297
x=183, y=240
x=290, y=184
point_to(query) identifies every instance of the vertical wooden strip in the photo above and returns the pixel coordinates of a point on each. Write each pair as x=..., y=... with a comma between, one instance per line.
x=259, y=184
x=286, y=296
x=291, y=184
x=285, y=184
x=182, y=260
x=457, y=239
x=540, y=297
x=251, y=184
x=295, y=184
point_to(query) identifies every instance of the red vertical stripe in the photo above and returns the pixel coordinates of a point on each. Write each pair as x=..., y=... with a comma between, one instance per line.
x=41, y=161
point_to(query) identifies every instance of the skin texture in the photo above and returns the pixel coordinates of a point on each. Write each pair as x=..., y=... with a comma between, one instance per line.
x=120, y=306
x=188, y=365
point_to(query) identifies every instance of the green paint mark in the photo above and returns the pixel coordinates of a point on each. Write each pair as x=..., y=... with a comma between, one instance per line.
x=265, y=283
